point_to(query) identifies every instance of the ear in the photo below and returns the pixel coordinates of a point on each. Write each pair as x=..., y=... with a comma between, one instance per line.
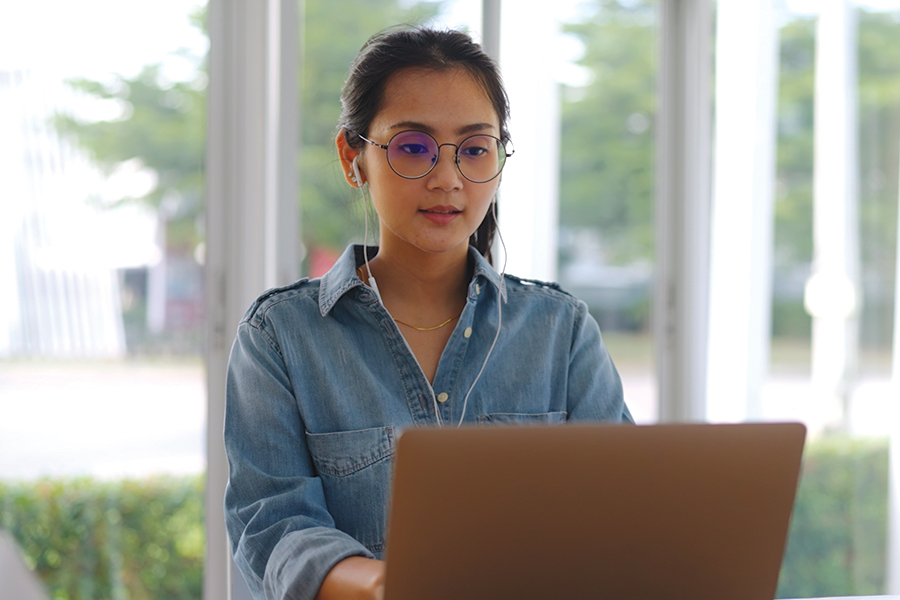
x=347, y=154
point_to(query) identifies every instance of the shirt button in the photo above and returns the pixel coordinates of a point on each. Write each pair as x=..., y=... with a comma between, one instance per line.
x=467, y=333
x=442, y=397
x=477, y=289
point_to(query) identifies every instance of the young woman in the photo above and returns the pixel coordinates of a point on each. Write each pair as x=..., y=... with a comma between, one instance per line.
x=419, y=331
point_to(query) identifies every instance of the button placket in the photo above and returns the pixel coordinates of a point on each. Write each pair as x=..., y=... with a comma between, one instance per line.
x=416, y=387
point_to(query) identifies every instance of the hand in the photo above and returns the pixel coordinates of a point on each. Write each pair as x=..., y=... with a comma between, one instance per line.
x=354, y=578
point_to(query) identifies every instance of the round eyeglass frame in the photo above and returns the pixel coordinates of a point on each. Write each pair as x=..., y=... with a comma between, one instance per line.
x=509, y=152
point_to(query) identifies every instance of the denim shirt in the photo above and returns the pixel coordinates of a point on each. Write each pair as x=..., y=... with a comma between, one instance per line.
x=321, y=382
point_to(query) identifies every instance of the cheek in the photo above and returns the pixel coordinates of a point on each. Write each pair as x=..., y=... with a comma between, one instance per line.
x=490, y=193
x=376, y=169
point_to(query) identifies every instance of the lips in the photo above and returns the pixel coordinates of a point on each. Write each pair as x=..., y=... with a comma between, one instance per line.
x=441, y=209
x=440, y=214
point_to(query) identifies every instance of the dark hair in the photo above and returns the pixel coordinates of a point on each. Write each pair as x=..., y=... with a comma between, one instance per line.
x=390, y=51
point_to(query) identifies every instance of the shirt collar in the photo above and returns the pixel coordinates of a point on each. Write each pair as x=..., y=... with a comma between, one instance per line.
x=342, y=277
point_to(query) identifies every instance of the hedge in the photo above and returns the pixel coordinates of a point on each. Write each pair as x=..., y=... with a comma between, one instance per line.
x=838, y=539
x=128, y=540
x=142, y=540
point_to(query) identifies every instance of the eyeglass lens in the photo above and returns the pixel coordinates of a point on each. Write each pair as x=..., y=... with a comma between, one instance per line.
x=413, y=154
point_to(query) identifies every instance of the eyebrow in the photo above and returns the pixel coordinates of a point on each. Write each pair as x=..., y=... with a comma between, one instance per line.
x=430, y=130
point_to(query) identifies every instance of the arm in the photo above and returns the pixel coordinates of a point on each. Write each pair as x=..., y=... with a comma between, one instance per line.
x=282, y=534
x=354, y=578
x=594, y=388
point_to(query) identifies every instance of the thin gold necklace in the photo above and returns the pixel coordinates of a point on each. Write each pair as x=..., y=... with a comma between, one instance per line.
x=361, y=274
x=426, y=328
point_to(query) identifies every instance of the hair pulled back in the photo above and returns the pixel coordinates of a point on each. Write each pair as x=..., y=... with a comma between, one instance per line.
x=392, y=50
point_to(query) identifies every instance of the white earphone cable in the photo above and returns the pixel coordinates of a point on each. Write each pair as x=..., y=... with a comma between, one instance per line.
x=499, y=318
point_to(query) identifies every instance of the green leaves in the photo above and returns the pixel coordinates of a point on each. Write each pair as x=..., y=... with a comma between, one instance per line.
x=162, y=124
x=838, y=535
x=606, y=161
x=89, y=539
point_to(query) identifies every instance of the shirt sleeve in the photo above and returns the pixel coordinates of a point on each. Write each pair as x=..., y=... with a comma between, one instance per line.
x=282, y=536
x=594, y=385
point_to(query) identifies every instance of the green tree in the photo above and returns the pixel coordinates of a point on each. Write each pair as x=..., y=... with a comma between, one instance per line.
x=793, y=206
x=879, y=142
x=606, y=175
x=163, y=125
x=879, y=161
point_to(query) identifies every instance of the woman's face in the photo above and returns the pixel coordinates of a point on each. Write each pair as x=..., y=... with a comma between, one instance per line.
x=438, y=212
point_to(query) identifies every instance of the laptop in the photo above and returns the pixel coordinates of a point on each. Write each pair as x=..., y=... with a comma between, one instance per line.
x=686, y=511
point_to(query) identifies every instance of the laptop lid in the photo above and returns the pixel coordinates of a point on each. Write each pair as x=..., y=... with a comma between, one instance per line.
x=693, y=511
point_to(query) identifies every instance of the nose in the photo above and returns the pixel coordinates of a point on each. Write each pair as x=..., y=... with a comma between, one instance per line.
x=446, y=174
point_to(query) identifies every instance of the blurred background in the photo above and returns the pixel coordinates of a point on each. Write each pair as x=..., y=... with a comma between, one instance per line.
x=103, y=325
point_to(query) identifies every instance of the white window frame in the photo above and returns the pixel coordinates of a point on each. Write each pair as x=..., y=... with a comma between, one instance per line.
x=684, y=130
x=251, y=212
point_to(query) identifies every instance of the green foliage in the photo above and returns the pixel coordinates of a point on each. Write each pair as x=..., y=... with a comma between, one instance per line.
x=606, y=157
x=132, y=539
x=162, y=125
x=145, y=539
x=879, y=132
x=794, y=188
x=790, y=320
x=607, y=177
x=879, y=114
x=838, y=535
x=879, y=110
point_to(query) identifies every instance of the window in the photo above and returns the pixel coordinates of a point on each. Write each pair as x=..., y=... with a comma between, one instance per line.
x=803, y=265
x=101, y=364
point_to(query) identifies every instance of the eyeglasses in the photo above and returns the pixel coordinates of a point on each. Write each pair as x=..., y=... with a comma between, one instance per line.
x=413, y=154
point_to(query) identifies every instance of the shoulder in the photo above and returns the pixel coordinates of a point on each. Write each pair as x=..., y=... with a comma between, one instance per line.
x=545, y=302
x=297, y=292
x=537, y=289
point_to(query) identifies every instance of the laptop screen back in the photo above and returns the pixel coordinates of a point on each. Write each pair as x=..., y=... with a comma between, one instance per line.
x=690, y=511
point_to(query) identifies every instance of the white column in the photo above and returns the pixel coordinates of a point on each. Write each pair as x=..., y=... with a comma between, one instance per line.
x=251, y=189
x=742, y=212
x=490, y=28
x=893, y=550
x=529, y=201
x=682, y=207
x=832, y=291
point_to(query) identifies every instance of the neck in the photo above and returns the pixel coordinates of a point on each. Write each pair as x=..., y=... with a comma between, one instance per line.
x=422, y=288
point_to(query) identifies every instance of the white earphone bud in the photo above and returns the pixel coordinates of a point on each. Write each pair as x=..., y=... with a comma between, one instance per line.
x=354, y=175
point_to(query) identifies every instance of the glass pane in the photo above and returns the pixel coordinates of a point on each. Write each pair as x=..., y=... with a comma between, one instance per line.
x=837, y=541
x=606, y=252
x=102, y=399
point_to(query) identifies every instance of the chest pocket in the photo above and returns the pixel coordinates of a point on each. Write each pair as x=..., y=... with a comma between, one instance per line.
x=549, y=418
x=356, y=468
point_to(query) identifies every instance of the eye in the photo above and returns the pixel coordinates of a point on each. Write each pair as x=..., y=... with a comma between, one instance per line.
x=475, y=151
x=412, y=148
x=478, y=147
